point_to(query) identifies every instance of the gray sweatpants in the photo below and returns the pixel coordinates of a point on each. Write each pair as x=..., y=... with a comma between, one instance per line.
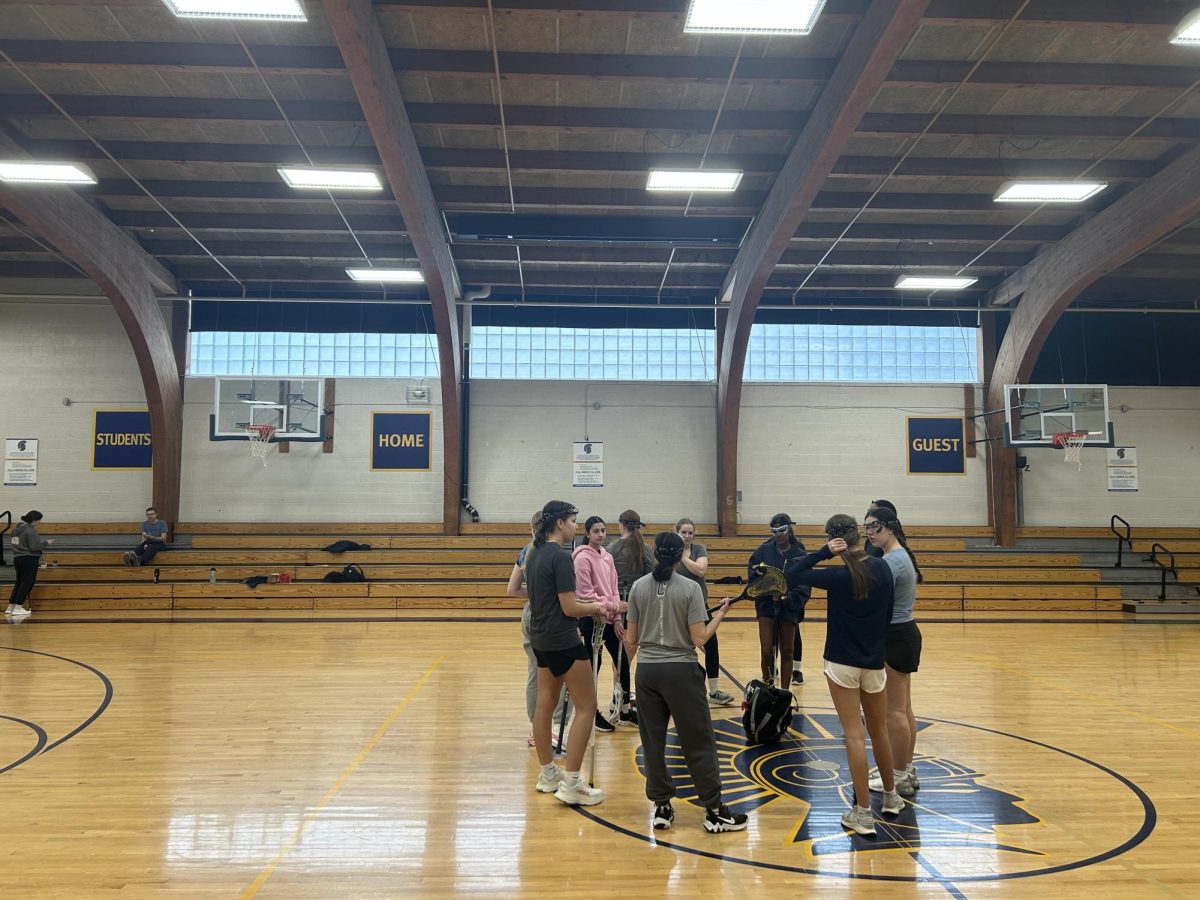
x=531, y=677
x=677, y=689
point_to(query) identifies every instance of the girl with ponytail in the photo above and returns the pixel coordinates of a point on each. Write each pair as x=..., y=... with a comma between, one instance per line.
x=903, y=655
x=633, y=560
x=667, y=622
x=860, y=602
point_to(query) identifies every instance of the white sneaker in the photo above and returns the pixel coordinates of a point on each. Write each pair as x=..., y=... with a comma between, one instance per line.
x=9, y=610
x=859, y=821
x=718, y=697
x=904, y=785
x=893, y=804
x=548, y=784
x=579, y=794
x=20, y=612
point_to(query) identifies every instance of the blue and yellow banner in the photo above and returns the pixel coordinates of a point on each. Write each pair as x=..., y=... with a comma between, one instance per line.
x=400, y=441
x=936, y=446
x=121, y=439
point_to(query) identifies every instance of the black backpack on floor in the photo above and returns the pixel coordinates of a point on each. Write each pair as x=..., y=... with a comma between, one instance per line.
x=768, y=713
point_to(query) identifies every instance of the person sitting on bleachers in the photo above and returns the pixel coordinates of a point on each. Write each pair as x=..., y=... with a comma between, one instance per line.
x=154, y=538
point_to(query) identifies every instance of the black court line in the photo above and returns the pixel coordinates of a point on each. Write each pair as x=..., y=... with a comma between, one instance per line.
x=97, y=713
x=942, y=879
x=39, y=733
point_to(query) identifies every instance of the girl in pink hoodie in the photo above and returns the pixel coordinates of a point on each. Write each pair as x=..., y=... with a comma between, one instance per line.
x=596, y=578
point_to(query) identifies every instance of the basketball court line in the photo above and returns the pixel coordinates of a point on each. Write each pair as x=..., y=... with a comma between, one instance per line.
x=985, y=661
x=256, y=885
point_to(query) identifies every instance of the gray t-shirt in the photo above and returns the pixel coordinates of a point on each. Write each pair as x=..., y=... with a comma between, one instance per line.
x=662, y=612
x=699, y=551
x=626, y=574
x=548, y=573
x=905, y=591
x=156, y=529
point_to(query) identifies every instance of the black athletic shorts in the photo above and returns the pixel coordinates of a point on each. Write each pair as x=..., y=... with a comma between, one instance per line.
x=789, y=609
x=904, y=647
x=559, y=661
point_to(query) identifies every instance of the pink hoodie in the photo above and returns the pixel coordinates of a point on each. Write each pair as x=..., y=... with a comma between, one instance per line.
x=596, y=576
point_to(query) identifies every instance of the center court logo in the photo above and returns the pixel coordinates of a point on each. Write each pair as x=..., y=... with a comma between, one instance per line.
x=981, y=814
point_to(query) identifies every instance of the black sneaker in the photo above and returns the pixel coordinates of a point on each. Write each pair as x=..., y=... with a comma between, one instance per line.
x=602, y=724
x=724, y=819
x=628, y=717
x=797, y=677
x=664, y=815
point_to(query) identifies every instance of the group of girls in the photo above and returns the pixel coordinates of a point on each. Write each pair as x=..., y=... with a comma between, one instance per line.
x=872, y=648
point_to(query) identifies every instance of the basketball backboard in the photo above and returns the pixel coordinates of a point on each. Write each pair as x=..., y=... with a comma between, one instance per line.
x=295, y=407
x=1034, y=413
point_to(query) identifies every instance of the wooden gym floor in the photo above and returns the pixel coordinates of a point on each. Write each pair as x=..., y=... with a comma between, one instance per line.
x=354, y=759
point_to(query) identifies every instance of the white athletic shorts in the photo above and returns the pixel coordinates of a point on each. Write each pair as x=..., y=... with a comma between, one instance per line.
x=870, y=680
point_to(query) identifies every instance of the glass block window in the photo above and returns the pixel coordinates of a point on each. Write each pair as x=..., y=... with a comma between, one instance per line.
x=862, y=353
x=593, y=354
x=285, y=354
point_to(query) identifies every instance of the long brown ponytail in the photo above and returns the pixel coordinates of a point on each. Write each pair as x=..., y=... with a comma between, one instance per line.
x=846, y=528
x=635, y=546
x=887, y=518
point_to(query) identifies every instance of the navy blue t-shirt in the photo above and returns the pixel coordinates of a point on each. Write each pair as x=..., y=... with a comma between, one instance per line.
x=856, y=634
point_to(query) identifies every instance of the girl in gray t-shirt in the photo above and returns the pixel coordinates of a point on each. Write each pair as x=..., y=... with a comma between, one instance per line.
x=667, y=622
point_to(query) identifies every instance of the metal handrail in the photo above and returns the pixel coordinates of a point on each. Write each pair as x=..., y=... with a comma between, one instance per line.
x=7, y=516
x=1154, y=548
x=1122, y=539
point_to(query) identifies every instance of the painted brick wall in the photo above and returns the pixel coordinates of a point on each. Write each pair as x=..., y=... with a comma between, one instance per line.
x=1164, y=425
x=811, y=451
x=222, y=482
x=659, y=454
x=50, y=350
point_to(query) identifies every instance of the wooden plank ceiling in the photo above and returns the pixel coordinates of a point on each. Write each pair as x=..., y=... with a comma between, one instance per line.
x=596, y=92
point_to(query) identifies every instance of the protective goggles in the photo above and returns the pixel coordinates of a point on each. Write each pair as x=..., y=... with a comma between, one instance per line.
x=781, y=529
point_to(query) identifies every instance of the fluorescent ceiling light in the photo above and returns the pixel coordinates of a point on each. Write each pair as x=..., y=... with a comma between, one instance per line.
x=331, y=179
x=404, y=276
x=1048, y=191
x=693, y=180
x=17, y=171
x=279, y=10
x=753, y=16
x=1188, y=31
x=934, y=282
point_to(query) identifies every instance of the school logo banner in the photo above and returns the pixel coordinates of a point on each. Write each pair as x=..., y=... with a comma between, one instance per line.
x=121, y=439
x=400, y=441
x=936, y=446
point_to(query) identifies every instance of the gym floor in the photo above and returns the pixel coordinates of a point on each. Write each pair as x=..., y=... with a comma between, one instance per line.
x=337, y=759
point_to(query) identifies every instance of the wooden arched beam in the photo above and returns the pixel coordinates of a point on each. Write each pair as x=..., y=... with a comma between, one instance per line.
x=126, y=274
x=1053, y=281
x=365, y=53
x=880, y=37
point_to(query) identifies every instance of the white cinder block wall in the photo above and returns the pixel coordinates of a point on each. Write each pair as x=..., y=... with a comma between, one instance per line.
x=808, y=450
x=659, y=448
x=1164, y=425
x=55, y=349
x=222, y=482
x=815, y=450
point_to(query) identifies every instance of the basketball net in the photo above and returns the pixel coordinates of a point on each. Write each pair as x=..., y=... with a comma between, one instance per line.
x=260, y=438
x=1071, y=443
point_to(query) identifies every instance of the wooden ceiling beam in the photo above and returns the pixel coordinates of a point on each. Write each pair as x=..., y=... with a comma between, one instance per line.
x=1055, y=278
x=360, y=41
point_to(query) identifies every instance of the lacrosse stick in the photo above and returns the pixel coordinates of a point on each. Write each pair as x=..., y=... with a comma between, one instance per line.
x=768, y=581
x=597, y=646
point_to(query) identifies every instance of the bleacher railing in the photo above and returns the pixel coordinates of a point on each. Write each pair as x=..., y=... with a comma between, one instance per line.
x=1123, y=540
x=1165, y=566
x=7, y=516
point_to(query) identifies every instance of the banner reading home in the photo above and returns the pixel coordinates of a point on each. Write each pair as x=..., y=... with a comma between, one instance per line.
x=936, y=446
x=121, y=439
x=400, y=441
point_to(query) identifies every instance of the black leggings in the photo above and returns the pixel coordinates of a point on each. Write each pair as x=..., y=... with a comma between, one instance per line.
x=27, y=569
x=613, y=643
x=712, y=655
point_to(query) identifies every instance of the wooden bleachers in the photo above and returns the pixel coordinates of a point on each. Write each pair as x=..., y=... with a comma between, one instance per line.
x=411, y=568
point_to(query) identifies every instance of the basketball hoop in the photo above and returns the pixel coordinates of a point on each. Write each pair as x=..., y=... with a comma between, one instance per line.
x=1071, y=443
x=260, y=438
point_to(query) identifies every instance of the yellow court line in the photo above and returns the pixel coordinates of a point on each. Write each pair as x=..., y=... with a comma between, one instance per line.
x=1086, y=696
x=256, y=885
